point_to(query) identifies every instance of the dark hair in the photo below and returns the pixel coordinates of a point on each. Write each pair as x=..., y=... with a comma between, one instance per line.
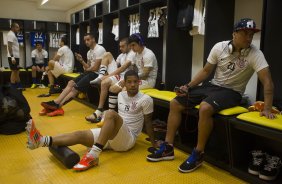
x=64, y=39
x=130, y=73
x=38, y=42
x=124, y=40
x=137, y=38
x=90, y=34
x=14, y=24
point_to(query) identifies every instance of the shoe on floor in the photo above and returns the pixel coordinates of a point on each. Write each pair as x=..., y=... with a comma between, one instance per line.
x=93, y=118
x=33, y=134
x=33, y=86
x=257, y=162
x=44, y=111
x=271, y=169
x=86, y=162
x=57, y=112
x=165, y=152
x=194, y=161
x=51, y=105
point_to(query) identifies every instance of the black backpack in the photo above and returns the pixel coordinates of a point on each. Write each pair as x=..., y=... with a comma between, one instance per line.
x=14, y=111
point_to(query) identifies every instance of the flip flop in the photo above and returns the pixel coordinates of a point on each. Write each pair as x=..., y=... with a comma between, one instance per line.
x=44, y=95
x=95, y=120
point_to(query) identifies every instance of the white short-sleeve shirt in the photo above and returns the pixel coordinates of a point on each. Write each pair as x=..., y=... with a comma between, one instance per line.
x=66, y=58
x=39, y=56
x=11, y=37
x=133, y=109
x=234, y=70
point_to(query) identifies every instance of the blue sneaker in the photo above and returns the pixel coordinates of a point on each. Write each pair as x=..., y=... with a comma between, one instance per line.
x=194, y=161
x=166, y=152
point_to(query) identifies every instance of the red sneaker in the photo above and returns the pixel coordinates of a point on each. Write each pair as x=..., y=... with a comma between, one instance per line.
x=58, y=112
x=33, y=134
x=44, y=111
x=86, y=162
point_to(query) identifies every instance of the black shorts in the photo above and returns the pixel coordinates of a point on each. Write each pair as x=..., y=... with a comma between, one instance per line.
x=14, y=66
x=39, y=65
x=218, y=97
x=83, y=81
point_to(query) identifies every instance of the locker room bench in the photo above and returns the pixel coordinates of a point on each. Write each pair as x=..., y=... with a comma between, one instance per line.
x=249, y=131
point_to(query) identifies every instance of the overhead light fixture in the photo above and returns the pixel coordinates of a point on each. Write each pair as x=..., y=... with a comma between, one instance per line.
x=44, y=1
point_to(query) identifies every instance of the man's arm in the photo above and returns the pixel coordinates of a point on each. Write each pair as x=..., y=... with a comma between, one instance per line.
x=202, y=75
x=10, y=45
x=121, y=69
x=266, y=80
x=95, y=67
x=149, y=127
x=56, y=57
x=146, y=71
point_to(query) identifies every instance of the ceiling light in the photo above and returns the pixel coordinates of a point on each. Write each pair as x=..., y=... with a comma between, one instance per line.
x=44, y=1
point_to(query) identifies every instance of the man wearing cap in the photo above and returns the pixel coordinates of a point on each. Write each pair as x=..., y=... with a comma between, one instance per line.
x=234, y=62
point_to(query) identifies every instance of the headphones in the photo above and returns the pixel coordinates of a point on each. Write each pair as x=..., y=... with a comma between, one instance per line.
x=141, y=41
x=243, y=52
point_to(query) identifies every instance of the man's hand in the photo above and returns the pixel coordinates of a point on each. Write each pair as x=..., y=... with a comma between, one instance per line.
x=183, y=91
x=267, y=113
x=78, y=57
x=13, y=60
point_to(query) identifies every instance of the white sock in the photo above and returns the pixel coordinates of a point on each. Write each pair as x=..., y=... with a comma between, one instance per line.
x=95, y=151
x=98, y=112
x=113, y=100
x=44, y=141
x=102, y=71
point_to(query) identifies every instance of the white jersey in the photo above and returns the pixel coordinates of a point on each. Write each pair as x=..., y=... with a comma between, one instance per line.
x=11, y=37
x=66, y=58
x=39, y=56
x=94, y=54
x=133, y=109
x=234, y=70
x=122, y=58
x=147, y=59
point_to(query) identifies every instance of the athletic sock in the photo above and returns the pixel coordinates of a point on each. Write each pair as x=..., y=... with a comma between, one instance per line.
x=102, y=71
x=19, y=85
x=14, y=85
x=45, y=141
x=113, y=100
x=95, y=150
x=99, y=112
x=34, y=81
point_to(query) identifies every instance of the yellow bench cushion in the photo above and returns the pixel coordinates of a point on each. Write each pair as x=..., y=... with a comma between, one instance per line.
x=145, y=91
x=163, y=95
x=230, y=111
x=72, y=75
x=254, y=117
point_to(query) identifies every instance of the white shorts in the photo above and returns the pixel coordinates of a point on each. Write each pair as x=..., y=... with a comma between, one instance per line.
x=123, y=141
x=112, y=67
x=145, y=84
x=58, y=70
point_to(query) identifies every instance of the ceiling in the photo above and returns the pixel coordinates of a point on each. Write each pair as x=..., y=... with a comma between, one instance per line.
x=62, y=5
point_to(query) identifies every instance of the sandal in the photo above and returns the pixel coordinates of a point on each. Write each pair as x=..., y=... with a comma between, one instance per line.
x=94, y=119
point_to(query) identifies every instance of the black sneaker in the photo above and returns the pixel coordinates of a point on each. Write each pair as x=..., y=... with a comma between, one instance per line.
x=271, y=169
x=194, y=161
x=51, y=105
x=55, y=89
x=166, y=152
x=257, y=162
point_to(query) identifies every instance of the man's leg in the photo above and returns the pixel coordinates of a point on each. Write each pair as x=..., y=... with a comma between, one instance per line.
x=68, y=89
x=35, y=139
x=13, y=78
x=106, y=60
x=33, y=75
x=51, y=65
x=166, y=151
x=113, y=123
x=205, y=126
x=113, y=96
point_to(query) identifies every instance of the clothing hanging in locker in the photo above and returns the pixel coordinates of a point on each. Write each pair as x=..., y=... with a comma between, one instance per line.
x=134, y=24
x=199, y=18
x=115, y=29
x=77, y=36
x=100, y=31
x=153, y=28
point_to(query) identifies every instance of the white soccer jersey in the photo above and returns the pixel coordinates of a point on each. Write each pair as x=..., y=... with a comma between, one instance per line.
x=122, y=58
x=147, y=59
x=94, y=54
x=234, y=70
x=66, y=58
x=39, y=56
x=11, y=37
x=133, y=109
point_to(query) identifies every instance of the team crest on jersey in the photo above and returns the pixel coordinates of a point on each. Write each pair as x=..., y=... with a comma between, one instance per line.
x=134, y=105
x=242, y=63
